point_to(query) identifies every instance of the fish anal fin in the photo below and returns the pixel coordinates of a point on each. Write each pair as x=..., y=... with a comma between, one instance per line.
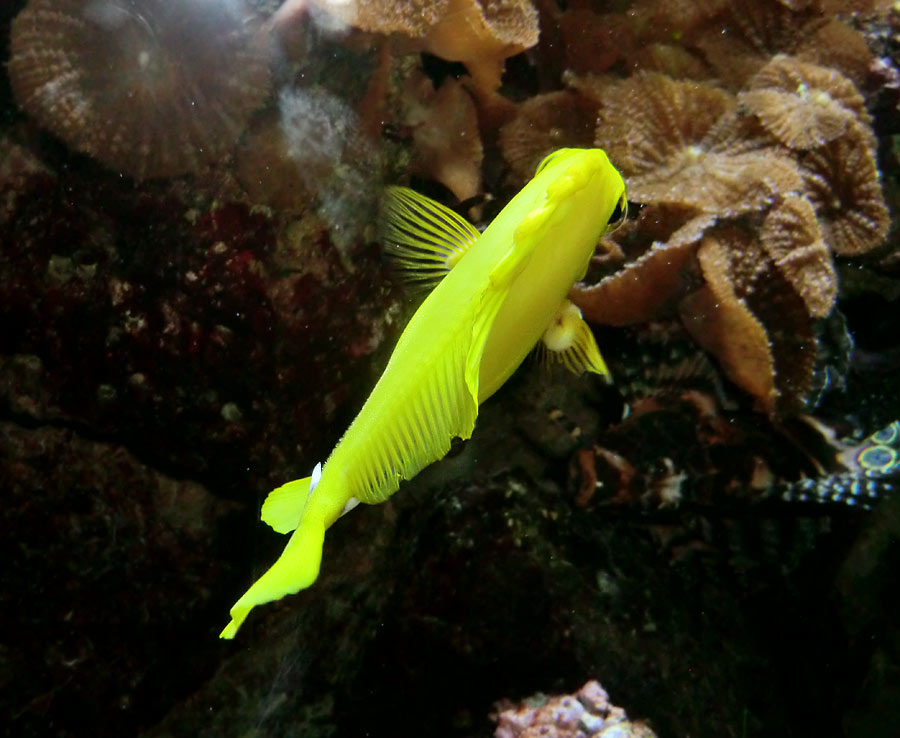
x=423, y=238
x=283, y=507
x=569, y=341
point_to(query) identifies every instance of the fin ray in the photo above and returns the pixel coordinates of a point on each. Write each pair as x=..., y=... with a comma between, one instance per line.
x=283, y=507
x=439, y=402
x=569, y=341
x=424, y=238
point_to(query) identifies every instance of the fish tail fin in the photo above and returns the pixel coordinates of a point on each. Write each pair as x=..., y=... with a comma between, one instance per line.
x=297, y=568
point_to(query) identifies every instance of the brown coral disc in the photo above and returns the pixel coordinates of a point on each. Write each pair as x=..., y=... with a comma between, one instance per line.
x=811, y=82
x=798, y=121
x=776, y=304
x=151, y=88
x=752, y=32
x=842, y=184
x=638, y=292
x=543, y=124
x=792, y=238
x=722, y=323
x=671, y=59
x=649, y=119
x=644, y=288
x=718, y=183
x=664, y=20
x=838, y=45
x=772, y=26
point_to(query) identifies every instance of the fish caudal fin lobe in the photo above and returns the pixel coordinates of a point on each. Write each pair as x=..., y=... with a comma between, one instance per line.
x=285, y=509
x=569, y=341
x=424, y=238
x=297, y=568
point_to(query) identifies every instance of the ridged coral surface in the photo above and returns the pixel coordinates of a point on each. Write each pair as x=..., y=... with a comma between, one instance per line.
x=152, y=88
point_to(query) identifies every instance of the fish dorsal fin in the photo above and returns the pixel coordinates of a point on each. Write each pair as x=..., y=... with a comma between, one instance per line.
x=284, y=506
x=424, y=238
x=569, y=341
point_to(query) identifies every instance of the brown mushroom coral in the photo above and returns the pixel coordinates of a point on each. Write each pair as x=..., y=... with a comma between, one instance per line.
x=660, y=276
x=791, y=237
x=543, y=124
x=811, y=82
x=636, y=293
x=769, y=189
x=479, y=33
x=841, y=179
x=720, y=183
x=752, y=320
x=741, y=42
x=662, y=134
x=784, y=315
x=720, y=321
x=152, y=88
x=664, y=20
x=803, y=105
x=647, y=121
x=836, y=44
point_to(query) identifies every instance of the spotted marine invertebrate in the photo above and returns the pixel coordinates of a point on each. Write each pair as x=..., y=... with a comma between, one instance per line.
x=152, y=88
x=870, y=470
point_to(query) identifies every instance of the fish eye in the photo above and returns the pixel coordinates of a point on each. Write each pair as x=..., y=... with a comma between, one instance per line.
x=619, y=213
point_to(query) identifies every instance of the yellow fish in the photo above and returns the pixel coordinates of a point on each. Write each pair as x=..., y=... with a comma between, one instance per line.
x=497, y=294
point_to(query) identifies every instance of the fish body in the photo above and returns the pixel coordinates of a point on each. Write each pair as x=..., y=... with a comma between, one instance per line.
x=499, y=292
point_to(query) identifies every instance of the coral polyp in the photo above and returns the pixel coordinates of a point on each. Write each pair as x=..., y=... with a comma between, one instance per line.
x=152, y=88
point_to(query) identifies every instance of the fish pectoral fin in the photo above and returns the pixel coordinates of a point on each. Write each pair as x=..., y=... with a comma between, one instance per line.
x=283, y=507
x=297, y=568
x=569, y=341
x=424, y=239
